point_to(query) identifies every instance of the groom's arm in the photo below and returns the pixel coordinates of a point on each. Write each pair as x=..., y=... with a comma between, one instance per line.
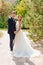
x=9, y=25
x=14, y=26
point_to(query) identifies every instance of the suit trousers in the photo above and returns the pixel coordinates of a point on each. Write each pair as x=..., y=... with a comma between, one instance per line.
x=11, y=42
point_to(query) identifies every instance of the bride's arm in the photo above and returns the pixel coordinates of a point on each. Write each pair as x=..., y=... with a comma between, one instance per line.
x=18, y=28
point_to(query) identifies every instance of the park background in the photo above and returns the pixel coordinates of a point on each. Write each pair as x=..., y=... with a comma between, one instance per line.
x=32, y=14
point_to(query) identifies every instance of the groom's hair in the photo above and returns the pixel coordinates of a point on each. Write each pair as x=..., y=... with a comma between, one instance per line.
x=13, y=12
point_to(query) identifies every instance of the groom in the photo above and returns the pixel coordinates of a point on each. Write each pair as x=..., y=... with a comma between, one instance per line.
x=12, y=29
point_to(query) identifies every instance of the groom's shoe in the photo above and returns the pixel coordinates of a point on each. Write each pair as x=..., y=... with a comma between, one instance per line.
x=11, y=52
x=11, y=49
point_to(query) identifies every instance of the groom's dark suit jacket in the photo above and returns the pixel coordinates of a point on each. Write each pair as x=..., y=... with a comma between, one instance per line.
x=11, y=26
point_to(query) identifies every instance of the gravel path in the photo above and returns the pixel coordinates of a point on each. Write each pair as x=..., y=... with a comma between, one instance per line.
x=7, y=59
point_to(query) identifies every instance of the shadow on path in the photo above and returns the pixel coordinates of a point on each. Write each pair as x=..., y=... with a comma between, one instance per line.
x=22, y=61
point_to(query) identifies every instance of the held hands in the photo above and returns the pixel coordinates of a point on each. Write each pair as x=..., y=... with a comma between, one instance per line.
x=15, y=32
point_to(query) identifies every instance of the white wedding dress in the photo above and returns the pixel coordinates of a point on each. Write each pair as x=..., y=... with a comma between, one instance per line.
x=22, y=45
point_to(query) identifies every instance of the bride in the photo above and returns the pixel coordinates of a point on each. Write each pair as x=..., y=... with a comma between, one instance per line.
x=22, y=45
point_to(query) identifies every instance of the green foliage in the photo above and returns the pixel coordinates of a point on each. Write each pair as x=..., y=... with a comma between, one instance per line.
x=3, y=22
x=32, y=14
x=21, y=8
x=36, y=20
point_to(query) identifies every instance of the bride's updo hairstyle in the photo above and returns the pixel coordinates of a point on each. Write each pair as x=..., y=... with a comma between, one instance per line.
x=19, y=17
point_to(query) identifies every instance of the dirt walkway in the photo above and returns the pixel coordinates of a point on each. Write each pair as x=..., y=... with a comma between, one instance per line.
x=7, y=59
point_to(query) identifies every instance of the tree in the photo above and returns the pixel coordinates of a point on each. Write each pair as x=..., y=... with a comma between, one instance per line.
x=32, y=13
